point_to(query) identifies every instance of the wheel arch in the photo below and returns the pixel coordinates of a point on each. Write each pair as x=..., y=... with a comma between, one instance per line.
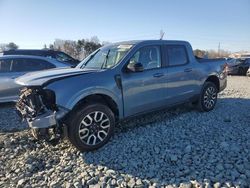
x=214, y=79
x=99, y=98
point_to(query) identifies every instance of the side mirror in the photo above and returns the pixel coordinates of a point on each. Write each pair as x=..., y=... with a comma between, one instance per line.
x=135, y=67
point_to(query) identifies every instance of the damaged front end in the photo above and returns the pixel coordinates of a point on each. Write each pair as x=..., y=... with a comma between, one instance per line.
x=38, y=107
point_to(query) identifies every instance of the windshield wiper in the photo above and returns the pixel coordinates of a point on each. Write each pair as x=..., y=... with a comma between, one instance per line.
x=106, y=60
x=90, y=57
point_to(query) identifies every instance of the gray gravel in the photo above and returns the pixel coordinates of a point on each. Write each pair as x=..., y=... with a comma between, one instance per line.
x=9, y=121
x=174, y=148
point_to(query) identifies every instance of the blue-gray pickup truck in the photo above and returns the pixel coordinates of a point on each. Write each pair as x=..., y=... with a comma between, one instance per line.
x=117, y=81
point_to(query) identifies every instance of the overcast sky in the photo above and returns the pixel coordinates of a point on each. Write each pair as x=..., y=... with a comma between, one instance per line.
x=32, y=23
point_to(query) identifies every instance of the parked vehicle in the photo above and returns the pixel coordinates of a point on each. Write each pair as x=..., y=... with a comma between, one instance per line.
x=238, y=66
x=248, y=71
x=13, y=66
x=58, y=55
x=115, y=82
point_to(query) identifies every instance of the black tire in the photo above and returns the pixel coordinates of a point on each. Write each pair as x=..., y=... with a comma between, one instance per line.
x=241, y=71
x=40, y=134
x=208, y=97
x=79, y=126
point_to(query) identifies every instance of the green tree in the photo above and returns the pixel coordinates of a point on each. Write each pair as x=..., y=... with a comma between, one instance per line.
x=11, y=46
x=89, y=47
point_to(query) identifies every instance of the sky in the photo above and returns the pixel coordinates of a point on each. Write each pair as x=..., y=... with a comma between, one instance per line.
x=204, y=23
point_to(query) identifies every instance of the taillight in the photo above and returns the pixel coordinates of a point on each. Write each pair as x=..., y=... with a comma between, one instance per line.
x=226, y=68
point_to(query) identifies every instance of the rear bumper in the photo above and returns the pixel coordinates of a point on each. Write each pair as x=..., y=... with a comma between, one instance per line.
x=248, y=72
x=223, y=82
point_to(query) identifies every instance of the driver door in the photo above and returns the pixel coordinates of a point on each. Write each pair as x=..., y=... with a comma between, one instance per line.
x=144, y=91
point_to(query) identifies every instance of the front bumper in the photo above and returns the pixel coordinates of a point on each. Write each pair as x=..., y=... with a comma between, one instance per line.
x=47, y=120
x=30, y=107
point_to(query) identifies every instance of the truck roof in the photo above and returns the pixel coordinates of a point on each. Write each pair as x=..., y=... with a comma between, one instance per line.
x=136, y=42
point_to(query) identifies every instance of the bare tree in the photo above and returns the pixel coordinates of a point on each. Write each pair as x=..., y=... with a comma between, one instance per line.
x=199, y=53
x=211, y=53
x=78, y=49
x=51, y=46
x=45, y=46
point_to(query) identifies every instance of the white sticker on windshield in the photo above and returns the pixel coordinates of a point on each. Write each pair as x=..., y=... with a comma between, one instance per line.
x=127, y=46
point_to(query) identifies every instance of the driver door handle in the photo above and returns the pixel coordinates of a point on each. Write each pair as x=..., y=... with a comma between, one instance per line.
x=188, y=70
x=158, y=75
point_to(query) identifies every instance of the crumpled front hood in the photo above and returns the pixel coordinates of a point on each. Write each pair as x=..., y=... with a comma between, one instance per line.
x=40, y=78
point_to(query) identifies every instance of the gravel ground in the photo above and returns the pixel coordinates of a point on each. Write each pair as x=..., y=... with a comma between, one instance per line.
x=174, y=148
x=9, y=121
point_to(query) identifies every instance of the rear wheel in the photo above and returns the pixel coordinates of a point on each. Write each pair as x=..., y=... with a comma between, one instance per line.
x=208, y=97
x=91, y=127
x=241, y=71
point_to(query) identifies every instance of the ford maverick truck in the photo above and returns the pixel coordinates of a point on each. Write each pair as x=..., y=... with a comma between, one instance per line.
x=115, y=82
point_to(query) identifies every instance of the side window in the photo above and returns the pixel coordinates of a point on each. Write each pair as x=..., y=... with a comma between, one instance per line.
x=149, y=57
x=176, y=55
x=40, y=64
x=21, y=65
x=5, y=65
x=63, y=57
x=28, y=65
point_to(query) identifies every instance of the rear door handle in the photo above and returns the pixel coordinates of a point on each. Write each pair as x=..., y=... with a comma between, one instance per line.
x=158, y=75
x=188, y=70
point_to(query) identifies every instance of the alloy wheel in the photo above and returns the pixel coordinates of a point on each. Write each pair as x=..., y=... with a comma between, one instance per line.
x=94, y=128
x=210, y=97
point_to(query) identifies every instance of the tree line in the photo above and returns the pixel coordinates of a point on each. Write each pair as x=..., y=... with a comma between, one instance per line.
x=9, y=46
x=81, y=48
x=77, y=49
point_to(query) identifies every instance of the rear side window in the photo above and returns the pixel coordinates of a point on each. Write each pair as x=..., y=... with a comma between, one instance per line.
x=5, y=65
x=28, y=65
x=176, y=55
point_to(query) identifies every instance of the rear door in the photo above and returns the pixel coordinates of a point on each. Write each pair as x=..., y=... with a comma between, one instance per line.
x=13, y=68
x=144, y=91
x=8, y=87
x=181, y=79
x=24, y=65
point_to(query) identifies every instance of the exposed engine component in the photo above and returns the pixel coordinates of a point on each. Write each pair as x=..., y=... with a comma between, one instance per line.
x=38, y=107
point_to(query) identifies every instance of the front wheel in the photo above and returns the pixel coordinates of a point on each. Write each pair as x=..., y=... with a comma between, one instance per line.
x=91, y=127
x=208, y=97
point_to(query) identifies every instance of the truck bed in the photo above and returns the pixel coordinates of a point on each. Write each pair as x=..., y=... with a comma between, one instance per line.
x=204, y=60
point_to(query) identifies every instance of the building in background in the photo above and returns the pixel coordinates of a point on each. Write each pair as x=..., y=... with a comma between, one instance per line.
x=242, y=55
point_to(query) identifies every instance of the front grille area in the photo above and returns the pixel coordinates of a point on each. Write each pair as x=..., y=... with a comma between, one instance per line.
x=30, y=103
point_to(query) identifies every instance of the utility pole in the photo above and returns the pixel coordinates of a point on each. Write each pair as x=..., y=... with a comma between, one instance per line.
x=219, y=49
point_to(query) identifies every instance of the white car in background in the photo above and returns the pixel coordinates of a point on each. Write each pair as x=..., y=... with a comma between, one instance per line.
x=13, y=66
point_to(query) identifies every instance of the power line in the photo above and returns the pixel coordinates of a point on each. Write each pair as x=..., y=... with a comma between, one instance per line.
x=219, y=49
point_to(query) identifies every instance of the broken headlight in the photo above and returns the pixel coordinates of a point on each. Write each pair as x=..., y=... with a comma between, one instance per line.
x=49, y=99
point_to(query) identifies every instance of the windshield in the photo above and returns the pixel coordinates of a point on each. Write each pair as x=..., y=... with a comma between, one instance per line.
x=105, y=58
